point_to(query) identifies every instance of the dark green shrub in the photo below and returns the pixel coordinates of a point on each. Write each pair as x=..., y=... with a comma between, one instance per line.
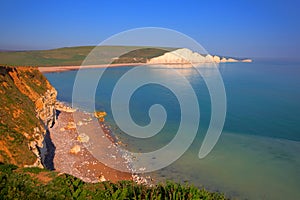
x=19, y=184
x=7, y=168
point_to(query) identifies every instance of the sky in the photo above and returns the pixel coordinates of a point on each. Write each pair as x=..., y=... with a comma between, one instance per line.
x=245, y=28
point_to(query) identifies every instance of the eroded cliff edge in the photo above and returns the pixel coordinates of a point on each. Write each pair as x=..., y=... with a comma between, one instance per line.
x=187, y=56
x=27, y=103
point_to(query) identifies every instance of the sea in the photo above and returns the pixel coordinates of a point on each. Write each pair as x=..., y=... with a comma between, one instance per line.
x=258, y=153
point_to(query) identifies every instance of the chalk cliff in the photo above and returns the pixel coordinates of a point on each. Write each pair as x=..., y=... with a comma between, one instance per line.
x=27, y=110
x=186, y=56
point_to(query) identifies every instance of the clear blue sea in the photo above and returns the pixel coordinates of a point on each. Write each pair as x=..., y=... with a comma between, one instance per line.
x=258, y=153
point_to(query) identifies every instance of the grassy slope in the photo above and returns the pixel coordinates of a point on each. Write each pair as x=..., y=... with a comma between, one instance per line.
x=140, y=55
x=17, y=113
x=69, y=56
x=35, y=183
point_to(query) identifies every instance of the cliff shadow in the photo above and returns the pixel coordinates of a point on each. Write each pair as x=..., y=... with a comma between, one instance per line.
x=57, y=113
x=50, y=153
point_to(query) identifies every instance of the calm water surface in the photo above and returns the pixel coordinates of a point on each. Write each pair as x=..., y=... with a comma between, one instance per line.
x=258, y=154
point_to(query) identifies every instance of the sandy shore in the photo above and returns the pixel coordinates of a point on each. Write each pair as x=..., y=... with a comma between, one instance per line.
x=72, y=157
x=69, y=68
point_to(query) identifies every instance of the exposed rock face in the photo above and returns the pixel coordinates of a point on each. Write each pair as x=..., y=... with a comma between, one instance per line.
x=28, y=109
x=217, y=59
x=247, y=60
x=64, y=108
x=46, y=113
x=231, y=60
x=223, y=60
x=45, y=107
x=186, y=56
x=182, y=56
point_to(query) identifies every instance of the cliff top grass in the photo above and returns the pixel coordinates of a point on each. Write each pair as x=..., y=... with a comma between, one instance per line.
x=140, y=55
x=74, y=56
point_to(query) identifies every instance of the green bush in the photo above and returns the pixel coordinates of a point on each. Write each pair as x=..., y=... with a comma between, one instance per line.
x=34, y=170
x=7, y=168
x=18, y=184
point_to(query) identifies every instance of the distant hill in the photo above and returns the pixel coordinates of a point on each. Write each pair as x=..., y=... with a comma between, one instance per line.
x=74, y=56
x=141, y=55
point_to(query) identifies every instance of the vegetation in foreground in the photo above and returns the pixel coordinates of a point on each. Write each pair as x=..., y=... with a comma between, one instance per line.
x=36, y=183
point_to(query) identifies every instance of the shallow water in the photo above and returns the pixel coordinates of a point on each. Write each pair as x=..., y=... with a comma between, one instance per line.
x=257, y=156
x=244, y=166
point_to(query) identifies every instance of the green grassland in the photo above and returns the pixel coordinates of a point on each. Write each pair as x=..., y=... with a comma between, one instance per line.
x=69, y=56
x=140, y=55
x=35, y=183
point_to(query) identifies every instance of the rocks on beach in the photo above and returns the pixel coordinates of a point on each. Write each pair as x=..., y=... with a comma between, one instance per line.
x=64, y=108
x=71, y=155
x=75, y=149
x=82, y=137
x=100, y=115
x=70, y=126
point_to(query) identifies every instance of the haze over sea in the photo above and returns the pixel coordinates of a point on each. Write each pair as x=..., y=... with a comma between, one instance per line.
x=257, y=156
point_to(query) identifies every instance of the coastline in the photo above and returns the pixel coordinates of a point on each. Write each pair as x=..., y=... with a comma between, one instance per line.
x=76, y=67
x=77, y=153
x=72, y=157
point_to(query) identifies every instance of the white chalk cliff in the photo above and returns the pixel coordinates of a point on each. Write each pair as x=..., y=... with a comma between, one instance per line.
x=186, y=56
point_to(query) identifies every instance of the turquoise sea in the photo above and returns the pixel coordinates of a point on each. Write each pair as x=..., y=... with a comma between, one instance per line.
x=258, y=153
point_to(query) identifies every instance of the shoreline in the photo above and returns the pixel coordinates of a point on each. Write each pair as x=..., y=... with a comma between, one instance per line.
x=76, y=67
x=71, y=155
x=74, y=151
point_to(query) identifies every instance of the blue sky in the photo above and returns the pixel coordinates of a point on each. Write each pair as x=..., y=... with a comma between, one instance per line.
x=257, y=28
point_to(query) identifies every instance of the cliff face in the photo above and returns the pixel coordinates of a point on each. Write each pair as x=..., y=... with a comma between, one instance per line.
x=186, y=56
x=27, y=110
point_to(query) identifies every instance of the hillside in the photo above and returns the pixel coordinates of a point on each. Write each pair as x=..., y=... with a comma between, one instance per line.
x=69, y=56
x=74, y=56
x=27, y=108
x=141, y=55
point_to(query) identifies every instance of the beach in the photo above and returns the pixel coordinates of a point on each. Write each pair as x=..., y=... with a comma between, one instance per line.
x=77, y=67
x=71, y=155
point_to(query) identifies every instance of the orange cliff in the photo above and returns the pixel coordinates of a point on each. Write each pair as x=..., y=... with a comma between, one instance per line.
x=27, y=110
